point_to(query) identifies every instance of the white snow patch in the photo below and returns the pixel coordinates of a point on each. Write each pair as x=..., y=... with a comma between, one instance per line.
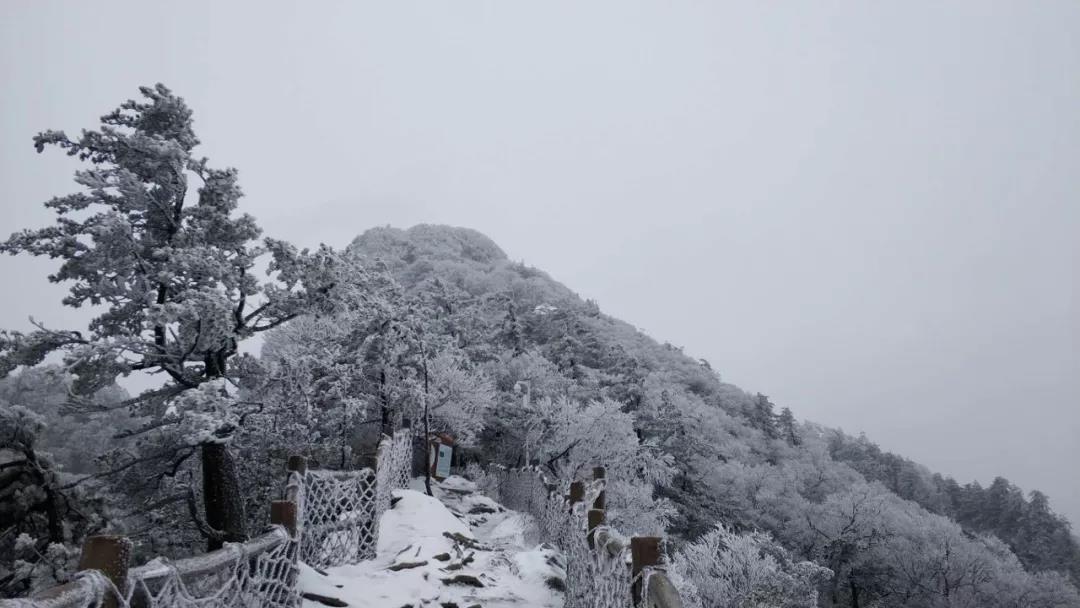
x=417, y=521
x=455, y=483
x=513, y=574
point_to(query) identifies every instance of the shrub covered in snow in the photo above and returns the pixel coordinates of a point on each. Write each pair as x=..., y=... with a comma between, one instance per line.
x=724, y=569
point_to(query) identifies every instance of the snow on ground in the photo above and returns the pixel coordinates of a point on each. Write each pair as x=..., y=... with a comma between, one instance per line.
x=459, y=548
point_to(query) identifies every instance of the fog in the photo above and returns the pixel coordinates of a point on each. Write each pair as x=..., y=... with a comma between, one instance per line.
x=867, y=212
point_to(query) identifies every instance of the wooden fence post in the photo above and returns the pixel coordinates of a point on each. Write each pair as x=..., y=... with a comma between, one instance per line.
x=601, y=498
x=110, y=555
x=298, y=464
x=577, y=493
x=596, y=515
x=644, y=552
x=283, y=513
x=596, y=519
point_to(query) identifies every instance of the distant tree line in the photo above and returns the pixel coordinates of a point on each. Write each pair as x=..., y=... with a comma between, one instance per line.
x=1040, y=538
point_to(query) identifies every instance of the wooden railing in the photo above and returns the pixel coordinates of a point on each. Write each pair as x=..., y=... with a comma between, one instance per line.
x=104, y=577
x=650, y=586
x=262, y=571
x=597, y=573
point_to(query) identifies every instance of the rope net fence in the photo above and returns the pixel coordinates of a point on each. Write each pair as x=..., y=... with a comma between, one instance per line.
x=342, y=508
x=330, y=519
x=599, y=568
x=340, y=523
x=596, y=577
x=257, y=573
x=394, y=468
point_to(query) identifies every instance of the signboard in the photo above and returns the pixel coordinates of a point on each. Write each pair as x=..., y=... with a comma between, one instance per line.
x=442, y=461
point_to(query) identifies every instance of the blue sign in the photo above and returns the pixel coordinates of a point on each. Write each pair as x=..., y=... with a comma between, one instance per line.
x=442, y=461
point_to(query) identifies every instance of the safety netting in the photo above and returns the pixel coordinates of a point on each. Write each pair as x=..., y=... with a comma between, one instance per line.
x=598, y=572
x=340, y=517
x=337, y=515
x=342, y=508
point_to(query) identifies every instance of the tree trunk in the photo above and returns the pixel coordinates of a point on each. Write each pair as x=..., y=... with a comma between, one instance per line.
x=345, y=428
x=52, y=498
x=834, y=588
x=56, y=521
x=386, y=426
x=427, y=424
x=221, y=495
x=214, y=363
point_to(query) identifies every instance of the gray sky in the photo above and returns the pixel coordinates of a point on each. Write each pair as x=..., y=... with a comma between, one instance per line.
x=865, y=211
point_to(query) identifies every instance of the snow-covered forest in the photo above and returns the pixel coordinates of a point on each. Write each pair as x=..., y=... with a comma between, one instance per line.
x=259, y=350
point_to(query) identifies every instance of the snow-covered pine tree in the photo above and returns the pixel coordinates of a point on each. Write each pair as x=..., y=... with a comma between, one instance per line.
x=171, y=268
x=786, y=423
x=763, y=418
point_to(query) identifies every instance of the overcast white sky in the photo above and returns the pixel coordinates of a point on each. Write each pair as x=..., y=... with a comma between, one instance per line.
x=867, y=211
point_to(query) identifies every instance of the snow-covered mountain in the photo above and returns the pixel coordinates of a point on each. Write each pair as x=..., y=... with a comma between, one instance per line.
x=737, y=458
